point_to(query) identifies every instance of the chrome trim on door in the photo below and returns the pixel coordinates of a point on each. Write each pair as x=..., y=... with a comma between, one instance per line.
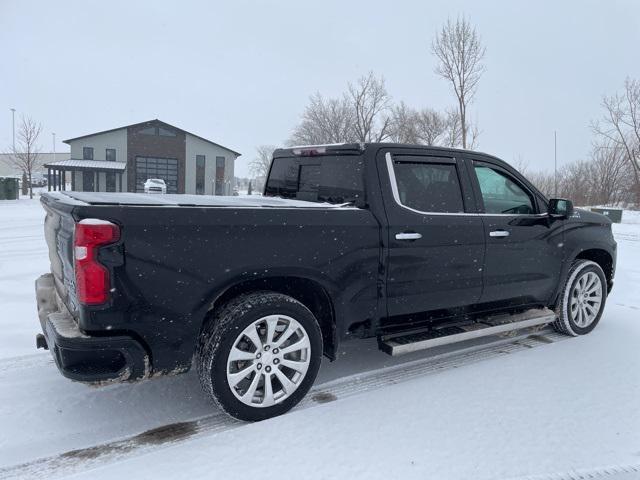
x=408, y=236
x=499, y=233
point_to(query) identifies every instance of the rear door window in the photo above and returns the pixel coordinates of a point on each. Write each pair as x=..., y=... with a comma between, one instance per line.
x=332, y=179
x=428, y=186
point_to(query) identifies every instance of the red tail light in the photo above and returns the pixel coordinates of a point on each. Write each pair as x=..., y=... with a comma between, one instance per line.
x=92, y=278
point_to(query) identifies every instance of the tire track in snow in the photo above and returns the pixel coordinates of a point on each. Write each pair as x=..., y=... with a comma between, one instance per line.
x=165, y=436
x=614, y=472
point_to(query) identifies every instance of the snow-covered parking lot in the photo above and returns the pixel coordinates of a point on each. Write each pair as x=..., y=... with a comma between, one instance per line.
x=543, y=406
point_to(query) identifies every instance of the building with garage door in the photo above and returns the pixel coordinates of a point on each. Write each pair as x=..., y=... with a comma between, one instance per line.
x=122, y=159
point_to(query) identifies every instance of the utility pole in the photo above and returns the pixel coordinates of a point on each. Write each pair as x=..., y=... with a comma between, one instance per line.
x=54, y=145
x=555, y=164
x=13, y=122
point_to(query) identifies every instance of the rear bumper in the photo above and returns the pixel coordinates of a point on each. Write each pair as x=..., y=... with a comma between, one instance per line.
x=82, y=357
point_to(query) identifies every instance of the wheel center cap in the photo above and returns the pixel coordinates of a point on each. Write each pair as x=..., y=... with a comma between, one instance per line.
x=267, y=358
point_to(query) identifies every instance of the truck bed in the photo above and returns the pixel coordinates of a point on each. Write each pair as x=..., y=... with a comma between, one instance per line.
x=170, y=263
x=179, y=200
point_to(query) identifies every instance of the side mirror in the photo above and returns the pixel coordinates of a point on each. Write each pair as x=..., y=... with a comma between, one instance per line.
x=560, y=207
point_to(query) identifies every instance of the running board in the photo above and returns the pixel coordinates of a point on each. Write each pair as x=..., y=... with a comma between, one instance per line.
x=400, y=344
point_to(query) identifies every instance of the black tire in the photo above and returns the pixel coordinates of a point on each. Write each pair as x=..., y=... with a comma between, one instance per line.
x=220, y=335
x=566, y=323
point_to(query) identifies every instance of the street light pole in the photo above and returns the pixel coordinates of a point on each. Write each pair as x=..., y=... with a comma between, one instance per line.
x=13, y=123
x=54, y=145
x=555, y=164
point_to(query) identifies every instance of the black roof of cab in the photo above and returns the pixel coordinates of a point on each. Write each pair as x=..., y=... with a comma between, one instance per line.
x=356, y=148
x=359, y=148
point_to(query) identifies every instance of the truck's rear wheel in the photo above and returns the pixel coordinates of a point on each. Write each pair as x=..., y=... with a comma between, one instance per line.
x=583, y=297
x=259, y=355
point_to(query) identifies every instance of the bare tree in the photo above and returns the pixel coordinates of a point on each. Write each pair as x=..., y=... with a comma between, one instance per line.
x=544, y=181
x=259, y=166
x=425, y=127
x=460, y=53
x=520, y=164
x=431, y=127
x=453, y=129
x=620, y=124
x=575, y=180
x=603, y=179
x=26, y=153
x=362, y=114
x=365, y=114
x=608, y=174
x=404, y=124
x=474, y=132
x=325, y=121
x=371, y=103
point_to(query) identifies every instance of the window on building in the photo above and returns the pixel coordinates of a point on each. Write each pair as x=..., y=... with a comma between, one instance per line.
x=110, y=155
x=200, y=161
x=148, y=131
x=163, y=132
x=220, y=176
x=111, y=181
x=158, y=131
x=87, y=153
x=88, y=181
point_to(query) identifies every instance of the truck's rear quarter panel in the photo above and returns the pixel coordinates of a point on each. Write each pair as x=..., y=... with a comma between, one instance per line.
x=172, y=262
x=177, y=261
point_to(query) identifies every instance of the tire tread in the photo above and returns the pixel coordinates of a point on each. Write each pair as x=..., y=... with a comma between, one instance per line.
x=563, y=322
x=220, y=324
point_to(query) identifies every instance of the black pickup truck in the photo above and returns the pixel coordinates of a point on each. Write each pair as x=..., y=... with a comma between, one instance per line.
x=417, y=246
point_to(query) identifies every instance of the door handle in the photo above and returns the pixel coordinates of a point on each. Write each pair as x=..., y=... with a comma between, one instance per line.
x=499, y=233
x=408, y=236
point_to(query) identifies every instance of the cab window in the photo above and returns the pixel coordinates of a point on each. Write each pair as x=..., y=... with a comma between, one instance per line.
x=428, y=187
x=501, y=194
x=331, y=179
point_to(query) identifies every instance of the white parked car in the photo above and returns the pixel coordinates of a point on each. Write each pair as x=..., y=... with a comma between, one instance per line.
x=155, y=185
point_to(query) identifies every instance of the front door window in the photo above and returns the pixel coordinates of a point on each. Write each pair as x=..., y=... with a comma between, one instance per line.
x=501, y=194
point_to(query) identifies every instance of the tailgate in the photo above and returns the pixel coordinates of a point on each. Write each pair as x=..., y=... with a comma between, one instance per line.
x=59, y=226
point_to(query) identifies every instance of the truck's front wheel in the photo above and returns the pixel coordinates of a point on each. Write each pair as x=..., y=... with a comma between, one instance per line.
x=582, y=300
x=259, y=355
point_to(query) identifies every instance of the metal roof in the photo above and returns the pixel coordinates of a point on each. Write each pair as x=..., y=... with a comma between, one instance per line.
x=150, y=122
x=87, y=165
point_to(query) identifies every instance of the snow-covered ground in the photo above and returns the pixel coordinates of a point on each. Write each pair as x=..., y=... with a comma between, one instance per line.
x=23, y=257
x=545, y=406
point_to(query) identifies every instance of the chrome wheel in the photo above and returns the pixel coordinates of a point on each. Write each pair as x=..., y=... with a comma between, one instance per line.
x=268, y=361
x=586, y=299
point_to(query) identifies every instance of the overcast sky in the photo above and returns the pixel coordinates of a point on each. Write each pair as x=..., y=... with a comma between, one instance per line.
x=240, y=73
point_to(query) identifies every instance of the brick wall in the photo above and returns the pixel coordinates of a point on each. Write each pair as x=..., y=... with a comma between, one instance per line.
x=139, y=144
